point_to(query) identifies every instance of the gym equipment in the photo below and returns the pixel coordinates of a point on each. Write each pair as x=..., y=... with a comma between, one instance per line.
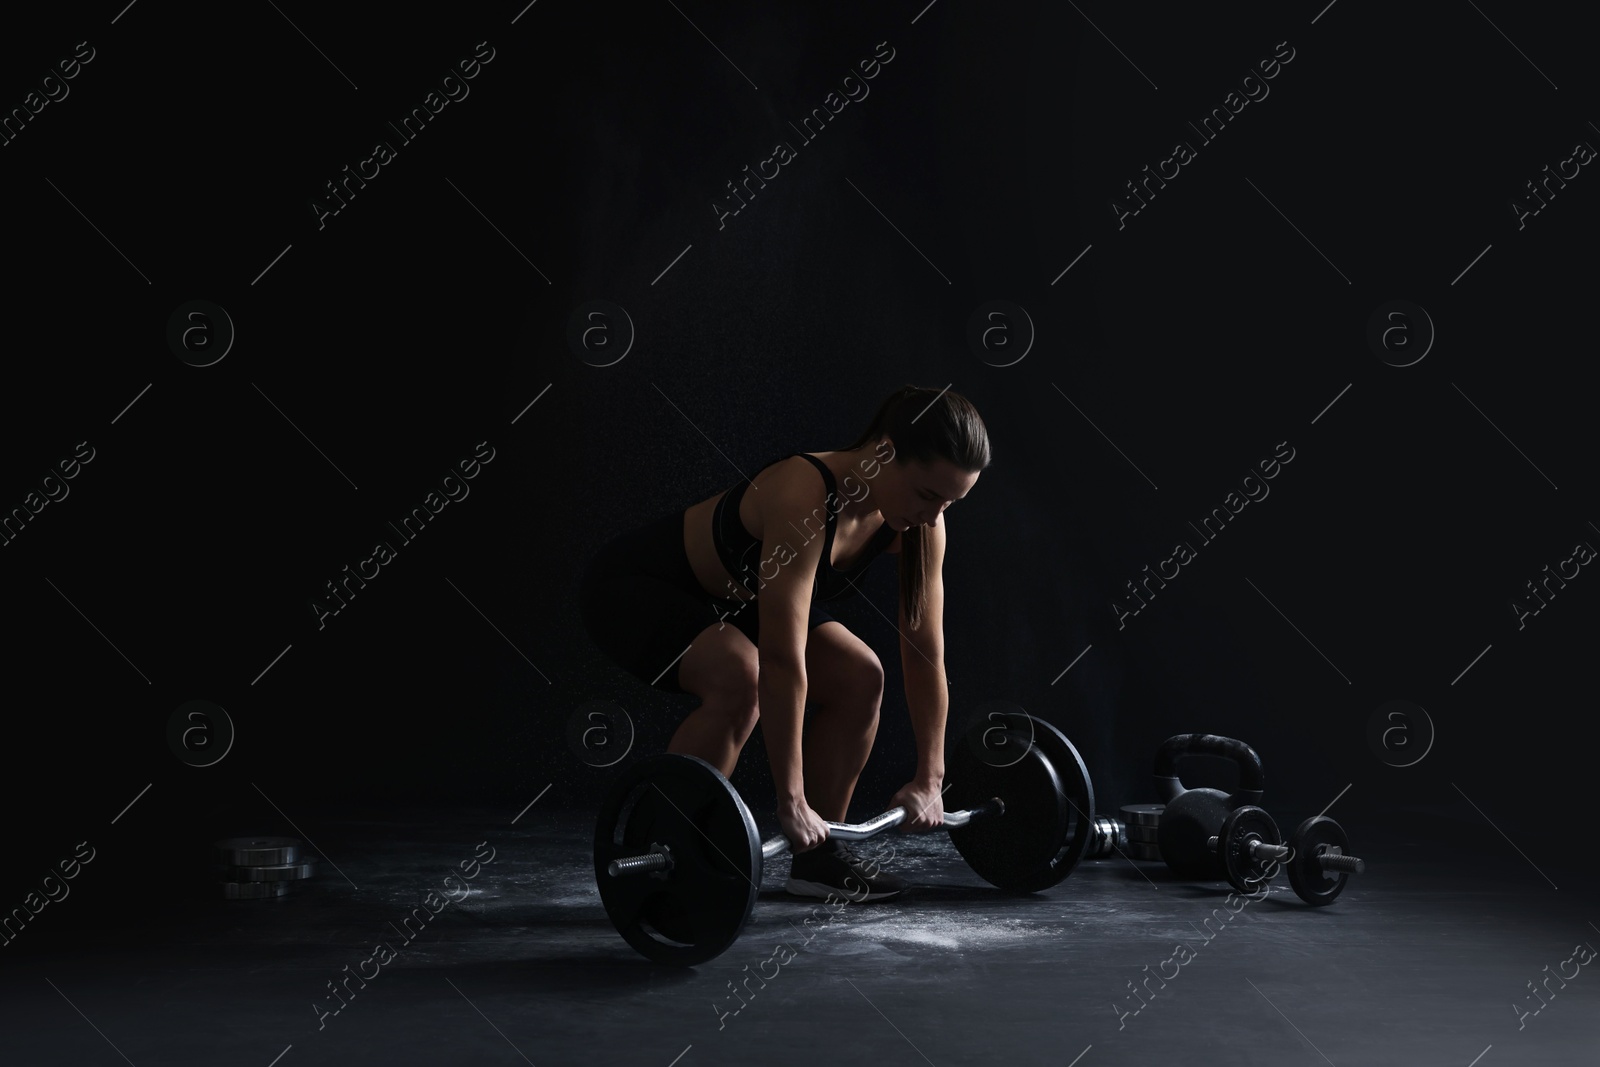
x=1019, y=853
x=260, y=867
x=1070, y=767
x=681, y=811
x=1142, y=814
x=1142, y=822
x=1319, y=846
x=1250, y=848
x=678, y=862
x=1110, y=835
x=274, y=872
x=1049, y=823
x=1193, y=816
x=257, y=851
x=254, y=890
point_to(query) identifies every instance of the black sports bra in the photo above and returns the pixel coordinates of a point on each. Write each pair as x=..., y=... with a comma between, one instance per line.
x=740, y=551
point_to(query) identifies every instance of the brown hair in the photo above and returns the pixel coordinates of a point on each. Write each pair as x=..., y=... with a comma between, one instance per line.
x=926, y=425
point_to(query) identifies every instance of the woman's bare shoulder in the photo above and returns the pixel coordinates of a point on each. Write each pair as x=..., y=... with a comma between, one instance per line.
x=787, y=491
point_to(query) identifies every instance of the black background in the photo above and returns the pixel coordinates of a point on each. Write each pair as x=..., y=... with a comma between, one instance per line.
x=409, y=328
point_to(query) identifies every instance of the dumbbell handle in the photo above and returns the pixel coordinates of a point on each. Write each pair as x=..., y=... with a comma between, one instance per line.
x=1258, y=850
x=659, y=859
x=1330, y=859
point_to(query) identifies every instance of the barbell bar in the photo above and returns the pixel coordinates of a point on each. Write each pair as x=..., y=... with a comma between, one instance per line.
x=660, y=856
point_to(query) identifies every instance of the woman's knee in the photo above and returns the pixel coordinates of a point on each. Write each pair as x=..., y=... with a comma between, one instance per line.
x=852, y=683
x=736, y=701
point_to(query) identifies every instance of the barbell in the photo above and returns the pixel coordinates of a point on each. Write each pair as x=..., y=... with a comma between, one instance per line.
x=679, y=864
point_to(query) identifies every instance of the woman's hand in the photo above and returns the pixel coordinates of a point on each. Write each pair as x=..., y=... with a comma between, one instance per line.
x=923, y=800
x=804, y=828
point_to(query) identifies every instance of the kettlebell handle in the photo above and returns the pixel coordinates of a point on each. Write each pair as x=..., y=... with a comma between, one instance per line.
x=1173, y=749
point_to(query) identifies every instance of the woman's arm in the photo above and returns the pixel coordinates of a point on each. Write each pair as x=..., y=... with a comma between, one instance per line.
x=787, y=572
x=927, y=693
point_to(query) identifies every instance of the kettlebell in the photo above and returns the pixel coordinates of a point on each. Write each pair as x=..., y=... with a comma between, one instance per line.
x=1193, y=816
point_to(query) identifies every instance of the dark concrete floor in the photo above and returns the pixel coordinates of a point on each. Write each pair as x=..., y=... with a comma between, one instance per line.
x=1421, y=961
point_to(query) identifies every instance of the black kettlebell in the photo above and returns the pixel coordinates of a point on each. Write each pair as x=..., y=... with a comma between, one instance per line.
x=1193, y=816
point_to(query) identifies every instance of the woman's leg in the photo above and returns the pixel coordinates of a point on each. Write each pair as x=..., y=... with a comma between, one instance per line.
x=721, y=669
x=844, y=687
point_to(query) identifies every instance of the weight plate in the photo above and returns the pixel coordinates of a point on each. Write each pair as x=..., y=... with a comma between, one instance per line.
x=1021, y=850
x=1142, y=814
x=257, y=851
x=998, y=733
x=254, y=890
x=1242, y=827
x=1139, y=850
x=693, y=912
x=1147, y=834
x=1078, y=791
x=1311, y=883
x=274, y=872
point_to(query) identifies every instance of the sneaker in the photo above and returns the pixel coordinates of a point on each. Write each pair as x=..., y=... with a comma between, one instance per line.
x=832, y=869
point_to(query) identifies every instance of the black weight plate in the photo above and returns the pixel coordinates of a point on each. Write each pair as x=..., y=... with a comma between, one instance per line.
x=693, y=912
x=1077, y=790
x=1142, y=851
x=999, y=733
x=1147, y=834
x=1244, y=825
x=1310, y=882
x=1020, y=850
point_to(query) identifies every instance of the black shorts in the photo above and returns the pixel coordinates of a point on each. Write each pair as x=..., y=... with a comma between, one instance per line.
x=642, y=604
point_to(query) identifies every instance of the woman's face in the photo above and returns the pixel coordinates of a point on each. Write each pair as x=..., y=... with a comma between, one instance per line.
x=918, y=493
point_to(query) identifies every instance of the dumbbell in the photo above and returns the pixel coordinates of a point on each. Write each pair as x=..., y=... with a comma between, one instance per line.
x=1249, y=848
x=1319, y=845
x=1251, y=851
x=678, y=862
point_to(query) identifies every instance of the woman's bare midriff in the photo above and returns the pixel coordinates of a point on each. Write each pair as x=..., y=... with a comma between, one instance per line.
x=850, y=536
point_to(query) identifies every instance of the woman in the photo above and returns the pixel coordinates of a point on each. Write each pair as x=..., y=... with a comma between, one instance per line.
x=722, y=600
